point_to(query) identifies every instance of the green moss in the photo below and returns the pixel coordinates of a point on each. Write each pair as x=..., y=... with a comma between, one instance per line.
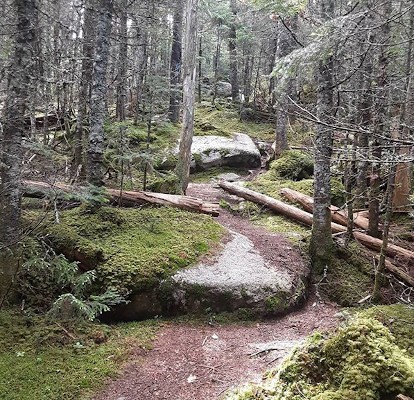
x=224, y=122
x=293, y=165
x=40, y=359
x=399, y=319
x=361, y=361
x=133, y=249
x=211, y=173
x=166, y=183
x=276, y=303
x=349, y=276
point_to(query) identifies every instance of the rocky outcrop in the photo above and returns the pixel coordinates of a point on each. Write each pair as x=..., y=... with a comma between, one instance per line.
x=215, y=151
x=239, y=278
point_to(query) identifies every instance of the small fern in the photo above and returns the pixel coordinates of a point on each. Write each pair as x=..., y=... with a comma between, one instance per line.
x=51, y=281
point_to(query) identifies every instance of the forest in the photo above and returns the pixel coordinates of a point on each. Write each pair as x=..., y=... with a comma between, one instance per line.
x=206, y=199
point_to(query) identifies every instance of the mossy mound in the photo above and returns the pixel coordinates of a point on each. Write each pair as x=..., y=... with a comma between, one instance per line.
x=362, y=361
x=133, y=249
x=270, y=184
x=292, y=164
x=214, y=120
x=350, y=276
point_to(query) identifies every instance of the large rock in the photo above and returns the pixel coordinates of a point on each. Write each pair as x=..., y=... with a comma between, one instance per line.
x=239, y=279
x=223, y=89
x=214, y=151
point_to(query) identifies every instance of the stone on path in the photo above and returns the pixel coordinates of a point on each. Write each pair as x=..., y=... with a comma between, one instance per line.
x=239, y=278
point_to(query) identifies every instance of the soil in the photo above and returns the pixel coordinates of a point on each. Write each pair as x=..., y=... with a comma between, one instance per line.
x=194, y=361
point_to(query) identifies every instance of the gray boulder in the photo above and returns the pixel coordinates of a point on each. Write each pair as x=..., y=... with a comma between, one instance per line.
x=223, y=89
x=215, y=151
x=239, y=279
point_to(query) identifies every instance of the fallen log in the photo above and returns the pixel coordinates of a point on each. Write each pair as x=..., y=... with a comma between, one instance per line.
x=124, y=198
x=339, y=216
x=280, y=207
x=307, y=218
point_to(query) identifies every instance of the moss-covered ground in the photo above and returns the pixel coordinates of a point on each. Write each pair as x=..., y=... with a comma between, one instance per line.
x=224, y=121
x=46, y=360
x=132, y=249
x=369, y=358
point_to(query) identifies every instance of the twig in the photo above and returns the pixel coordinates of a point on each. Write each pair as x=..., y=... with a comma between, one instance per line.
x=66, y=331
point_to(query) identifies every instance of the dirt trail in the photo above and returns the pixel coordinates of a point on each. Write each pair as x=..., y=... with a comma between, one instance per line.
x=202, y=361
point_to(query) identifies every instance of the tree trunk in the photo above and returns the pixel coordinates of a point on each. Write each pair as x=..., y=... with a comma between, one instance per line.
x=401, y=254
x=234, y=75
x=123, y=198
x=85, y=83
x=339, y=216
x=98, y=94
x=122, y=62
x=321, y=245
x=285, y=46
x=16, y=104
x=175, y=64
x=189, y=68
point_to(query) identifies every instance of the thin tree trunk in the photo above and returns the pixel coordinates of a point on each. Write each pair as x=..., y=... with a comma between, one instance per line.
x=98, y=94
x=189, y=68
x=85, y=83
x=122, y=62
x=379, y=279
x=200, y=65
x=234, y=75
x=175, y=64
x=321, y=246
x=216, y=62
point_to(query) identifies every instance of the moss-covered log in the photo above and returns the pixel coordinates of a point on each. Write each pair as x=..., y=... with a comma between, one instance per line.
x=124, y=198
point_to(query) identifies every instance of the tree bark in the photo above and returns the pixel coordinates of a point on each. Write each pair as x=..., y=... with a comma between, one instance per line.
x=98, y=93
x=339, y=216
x=88, y=39
x=307, y=219
x=234, y=75
x=123, y=198
x=16, y=104
x=189, y=67
x=122, y=62
x=175, y=64
x=321, y=245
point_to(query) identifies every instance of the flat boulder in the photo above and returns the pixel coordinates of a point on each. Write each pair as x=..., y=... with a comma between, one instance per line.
x=215, y=151
x=239, y=278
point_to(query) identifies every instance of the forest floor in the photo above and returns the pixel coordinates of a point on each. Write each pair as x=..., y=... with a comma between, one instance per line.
x=202, y=360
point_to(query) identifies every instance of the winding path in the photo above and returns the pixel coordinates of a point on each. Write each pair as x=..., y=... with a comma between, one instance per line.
x=202, y=361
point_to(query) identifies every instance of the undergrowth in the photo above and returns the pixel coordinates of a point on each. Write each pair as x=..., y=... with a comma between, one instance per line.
x=364, y=360
x=132, y=249
x=45, y=360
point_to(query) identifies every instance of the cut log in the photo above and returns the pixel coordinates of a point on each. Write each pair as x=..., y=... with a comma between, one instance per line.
x=307, y=218
x=339, y=216
x=124, y=198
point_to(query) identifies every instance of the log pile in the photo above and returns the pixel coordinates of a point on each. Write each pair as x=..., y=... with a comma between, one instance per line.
x=400, y=255
x=124, y=198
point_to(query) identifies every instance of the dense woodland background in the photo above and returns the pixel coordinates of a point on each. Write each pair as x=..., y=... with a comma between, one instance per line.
x=342, y=70
x=102, y=98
